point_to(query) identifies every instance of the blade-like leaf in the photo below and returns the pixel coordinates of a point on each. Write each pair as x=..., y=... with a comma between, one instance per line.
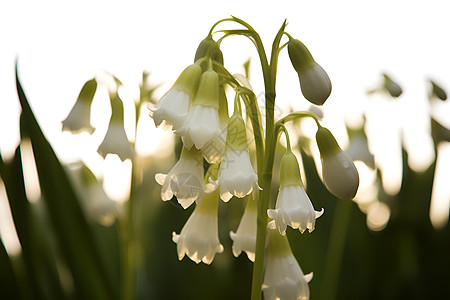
x=72, y=231
x=8, y=282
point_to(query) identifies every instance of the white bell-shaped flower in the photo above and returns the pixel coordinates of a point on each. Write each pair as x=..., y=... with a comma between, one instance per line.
x=214, y=149
x=244, y=239
x=79, y=117
x=202, y=121
x=115, y=140
x=97, y=206
x=184, y=180
x=174, y=105
x=236, y=175
x=339, y=173
x=199, y=238
x=283, y=277
x=293, y=207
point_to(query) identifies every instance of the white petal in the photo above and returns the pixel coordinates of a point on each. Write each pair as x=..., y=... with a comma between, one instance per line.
x=160, y=178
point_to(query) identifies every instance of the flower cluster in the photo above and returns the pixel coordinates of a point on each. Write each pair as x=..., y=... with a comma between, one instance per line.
x=78, y=120
x=196, y=109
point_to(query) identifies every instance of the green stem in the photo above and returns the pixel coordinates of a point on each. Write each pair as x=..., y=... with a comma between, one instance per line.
x=335, y=249
x=269, y=74
x=127, y=227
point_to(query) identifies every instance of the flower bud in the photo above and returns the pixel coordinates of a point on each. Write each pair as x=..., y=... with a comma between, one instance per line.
x=339, y=173
x=391, y=86
x=314, y=81
x=208, y=45
x=437, y=91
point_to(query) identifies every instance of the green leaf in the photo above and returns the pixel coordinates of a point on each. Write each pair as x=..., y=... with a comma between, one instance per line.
x=8, y=282
x=72, y=231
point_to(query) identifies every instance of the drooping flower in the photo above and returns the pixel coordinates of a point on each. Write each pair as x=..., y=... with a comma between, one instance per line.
x=236, y=174
x=202, y=121
x=79, y=117
x=314, y=81
x=214, y=149
x=184, y=180
x=115, y=140
x=339, y=173
x=244, y=239
x=173, y=106
x=96, y=204
x=358, y=148
x=199, y=238
x=293, y=206
x=283, y=277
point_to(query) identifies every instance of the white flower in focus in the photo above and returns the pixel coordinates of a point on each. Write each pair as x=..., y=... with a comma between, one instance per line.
x=214, y=149
x=199, y=238
x=185, y=180
x=236, y=175
x=245, y=237
x=283, y=277
x=293, y=206
x=115, y=140
x=200, y=126
x=79, y=117
x=173, y=106
x=202, y=121
x=339, y=173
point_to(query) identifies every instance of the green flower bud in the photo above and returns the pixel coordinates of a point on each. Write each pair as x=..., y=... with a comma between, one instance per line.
x=188, y=80
x=437, y=91
x=391, y=86
x=300, y=56
x=208, y=90
x=208, y=45
x=289, y=170
x=236, y=134
x=326, y=142
x=339, y=173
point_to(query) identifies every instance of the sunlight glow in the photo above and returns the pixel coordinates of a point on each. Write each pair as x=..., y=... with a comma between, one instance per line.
x=378, y=216
x=440, y=197
x=151, y=140
x=7, y=230
x=117, y=178
x=384, y=133
x=30, y=175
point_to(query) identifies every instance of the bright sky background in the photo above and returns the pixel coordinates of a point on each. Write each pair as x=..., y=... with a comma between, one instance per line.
x=62, y=44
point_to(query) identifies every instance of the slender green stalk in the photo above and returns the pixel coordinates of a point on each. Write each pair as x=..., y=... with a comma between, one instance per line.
x=128, y=241
x=265, y=150
x=269, y=74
